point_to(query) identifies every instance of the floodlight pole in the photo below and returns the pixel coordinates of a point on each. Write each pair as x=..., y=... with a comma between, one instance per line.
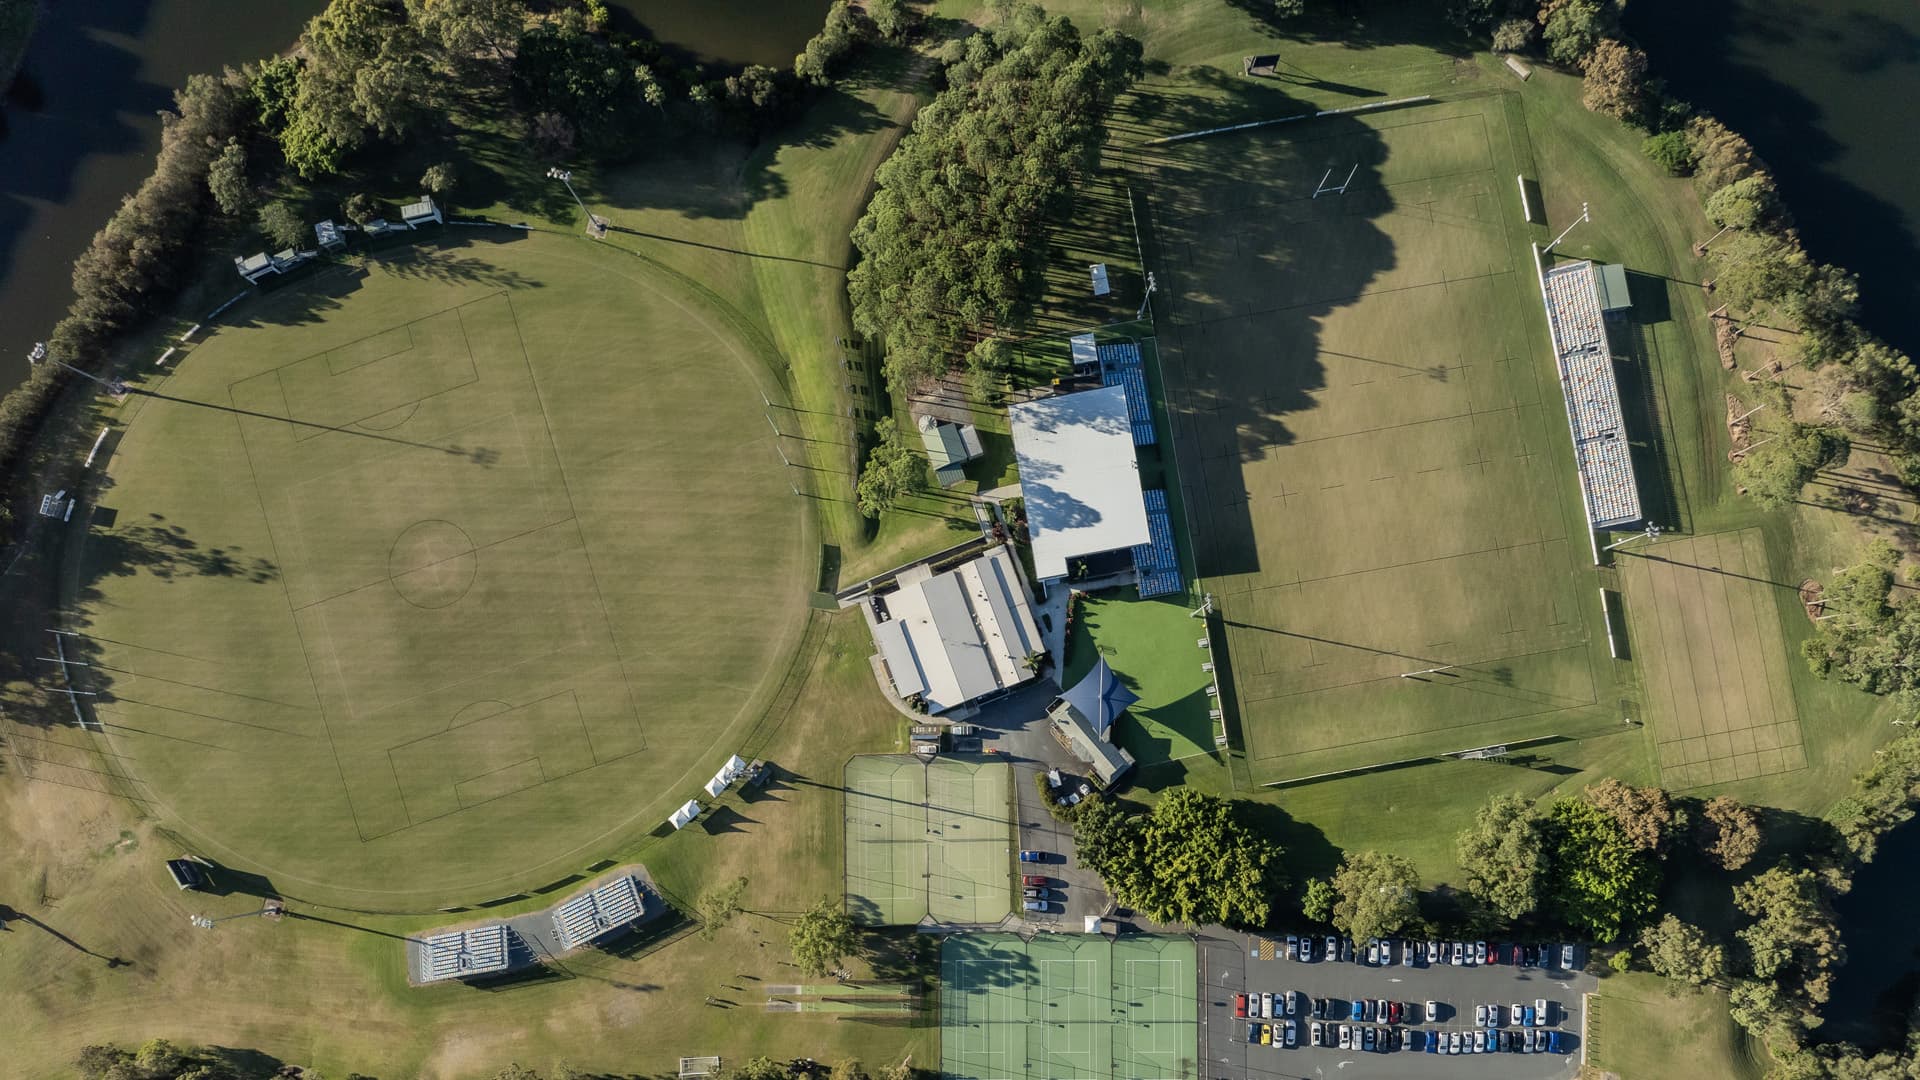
x=595, y=226
x=1147, y=298
x=1205, y=609
x=1748, y=413
x=39, y=353
x=1651, y=534
x=1427, y=671
x=1584, y=216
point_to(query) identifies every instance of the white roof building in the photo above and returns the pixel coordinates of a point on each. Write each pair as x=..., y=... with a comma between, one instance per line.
x=951, y=638
x=1078, y=476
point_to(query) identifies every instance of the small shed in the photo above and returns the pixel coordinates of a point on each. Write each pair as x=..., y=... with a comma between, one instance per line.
x=254, y=267
x=1100, y=286
x=949, y=447
x=416, y=214
x=1610, y=289
x=328, y=235
x=685, y=814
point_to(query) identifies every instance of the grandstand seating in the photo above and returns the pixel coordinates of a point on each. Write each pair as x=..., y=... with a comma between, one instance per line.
x=1120, y=366
x=460, y=953
x=1592, y=395
x=594, y=913
x=1157, y=562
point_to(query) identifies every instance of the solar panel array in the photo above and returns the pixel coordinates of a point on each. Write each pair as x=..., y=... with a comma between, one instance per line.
x=457, y=954
x=1120, y=366
x=594, y=913
x=1157, y=561
x=1592, y=395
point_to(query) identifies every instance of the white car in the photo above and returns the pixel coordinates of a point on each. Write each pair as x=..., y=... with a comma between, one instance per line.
x=1479, y=1016
x=1479, y=1042
x=1346, y=1036
x=1479, y=952
x=1454, y=1040
x=1493, y=1015
x=1540, y=1008
x=1373, y=951
x=1433, y=1011
x=1458, y=954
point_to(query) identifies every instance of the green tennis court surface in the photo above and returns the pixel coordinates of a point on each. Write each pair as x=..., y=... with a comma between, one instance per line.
x=928, y=840
x=1067, y=1005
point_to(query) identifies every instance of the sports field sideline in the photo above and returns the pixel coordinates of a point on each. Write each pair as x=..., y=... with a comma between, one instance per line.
x=1068, y=1005
x=1369, y=431
x=928, y=839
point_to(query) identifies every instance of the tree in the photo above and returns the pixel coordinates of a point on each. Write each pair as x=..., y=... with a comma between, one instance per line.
x=1504, y=856
x=1794, y=937
x=823, y=936
x=282, y=225
x=1721, y=156
x=899, y=1070
x=466, y=28
x=1756, y=270
x=1378, y=894
x=717, y=907
x=95, y=1062
x=1671, y=151
x=1644, y=814
x=1678, y=950
x=1602, y=881
x=516, y=1071
x=845, y=29
x=271, y=84
x=1745, y=203
x=1513, y=35
x=893, y=471
x=1317, y=903
x=1191, y=859
x=366, y=70
x=1616, y=80
x=987, y=365
x=440, y=178
x=361, y=208
x=756, y=1068
x=159, y=1059
x=893, y=19
x=1729, y=832
x=848, y=1069
x=1775, y=474
x=227, y=180
x=1573, y=27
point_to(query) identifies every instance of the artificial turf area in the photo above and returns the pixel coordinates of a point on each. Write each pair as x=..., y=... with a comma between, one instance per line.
x=417, y=583
x=928, y=839
x=1068, y=1005
x=1150, y=646
x=1369, y=431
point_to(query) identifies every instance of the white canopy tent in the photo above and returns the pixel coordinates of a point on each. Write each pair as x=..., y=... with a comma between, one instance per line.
x=685, y=814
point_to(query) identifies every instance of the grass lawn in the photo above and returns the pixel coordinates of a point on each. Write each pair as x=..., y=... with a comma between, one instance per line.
x=1642, y=1026
x=1150, y=645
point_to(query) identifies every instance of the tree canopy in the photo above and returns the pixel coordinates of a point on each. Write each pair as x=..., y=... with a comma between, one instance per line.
x=1378, y=894
x=823, y=936
x=1504, y=856
x=1793, y=934
x=953, y=244
x=1680, y=950
x=892, y=472
x=1729, y=832
x=1191, y=860
x=1602, y=882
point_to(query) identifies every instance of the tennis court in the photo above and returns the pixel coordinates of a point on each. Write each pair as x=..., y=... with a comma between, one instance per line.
x=928, y=840
x=1067, y=1005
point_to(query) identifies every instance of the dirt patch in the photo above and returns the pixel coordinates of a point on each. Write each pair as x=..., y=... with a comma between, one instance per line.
x=1812, y=598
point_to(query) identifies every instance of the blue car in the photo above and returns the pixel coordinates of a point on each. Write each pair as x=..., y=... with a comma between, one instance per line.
x=1553, y=1042
x=1031, y=856
x=1528, y=1019
x=1359, y=1011
x=1253, y=1033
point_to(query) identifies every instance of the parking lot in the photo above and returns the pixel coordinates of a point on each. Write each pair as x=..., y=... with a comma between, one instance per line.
x=1227, y=967
x=1075, y=890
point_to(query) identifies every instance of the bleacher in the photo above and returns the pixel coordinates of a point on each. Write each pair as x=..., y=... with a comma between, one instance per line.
x=1120, y=366
x=458, y=954
x=1157, y=562
x=1592, y=395
x=597, y=912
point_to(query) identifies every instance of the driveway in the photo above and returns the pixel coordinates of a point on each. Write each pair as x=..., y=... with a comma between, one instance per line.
x=1227, y=968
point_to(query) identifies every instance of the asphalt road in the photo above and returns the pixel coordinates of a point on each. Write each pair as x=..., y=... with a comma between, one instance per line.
x=1226, y=968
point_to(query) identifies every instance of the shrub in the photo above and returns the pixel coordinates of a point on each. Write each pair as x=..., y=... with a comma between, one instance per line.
x=439, y=179
x=844, y=31
x=282, y=225
x=1513, y=35
x=1671, y=151
x=1616, y=81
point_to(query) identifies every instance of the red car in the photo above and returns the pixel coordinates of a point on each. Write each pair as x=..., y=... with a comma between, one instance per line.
x=1033, y=879
x=1240, y=1005
x=1393, y=1012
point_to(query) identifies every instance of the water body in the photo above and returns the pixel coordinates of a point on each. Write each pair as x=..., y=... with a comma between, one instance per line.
x=1878, y=985
x=727, y=33
x=1824, y=90
x=81, y=131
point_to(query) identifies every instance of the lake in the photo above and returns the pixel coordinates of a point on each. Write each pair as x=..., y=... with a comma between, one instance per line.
x=81, y=131
x=1875, y=990
x=1824, y=90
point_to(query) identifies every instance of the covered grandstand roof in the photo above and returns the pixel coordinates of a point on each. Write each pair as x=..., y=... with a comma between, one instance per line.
x=960, y=635
x=1079, y=477
x=458, y=954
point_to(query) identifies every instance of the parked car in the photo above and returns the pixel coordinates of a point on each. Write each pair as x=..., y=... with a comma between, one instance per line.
x=1433, y=1040
x=1253, y=1033
x=1034, y=879
x=1359, y=1011
x=1458, y=953
x=1529, y=1018
x=1553, y=1042
x=1480, y=952
x=1518, y=1014
x=1366, y=1038
x=1266, y=1005
x=1433, y=952
x=1454, y=1039
x=1479, y=1016
x=1479, y=1042
x=1433, y=1011
x=1513, y=1041
x=1266, y=1034
x=1395, y=1039
x=1039, y=894
x=1032, y=856
x=1287, y=1004
x=1529, y=1041
x=1332, y=949
x=1380, y=1009
x=1316, y=1033
x=1540, y=1006
x=1292, y=1037
x=1566, y=957
x=1240, y=1005
x=1386, y=952
x=1346, y=1036
x=1373, y=950
x=1306, y=948
x=1493, y=1015
x=1367, y=1007
x=1038, y=905
x=1394, y=1012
